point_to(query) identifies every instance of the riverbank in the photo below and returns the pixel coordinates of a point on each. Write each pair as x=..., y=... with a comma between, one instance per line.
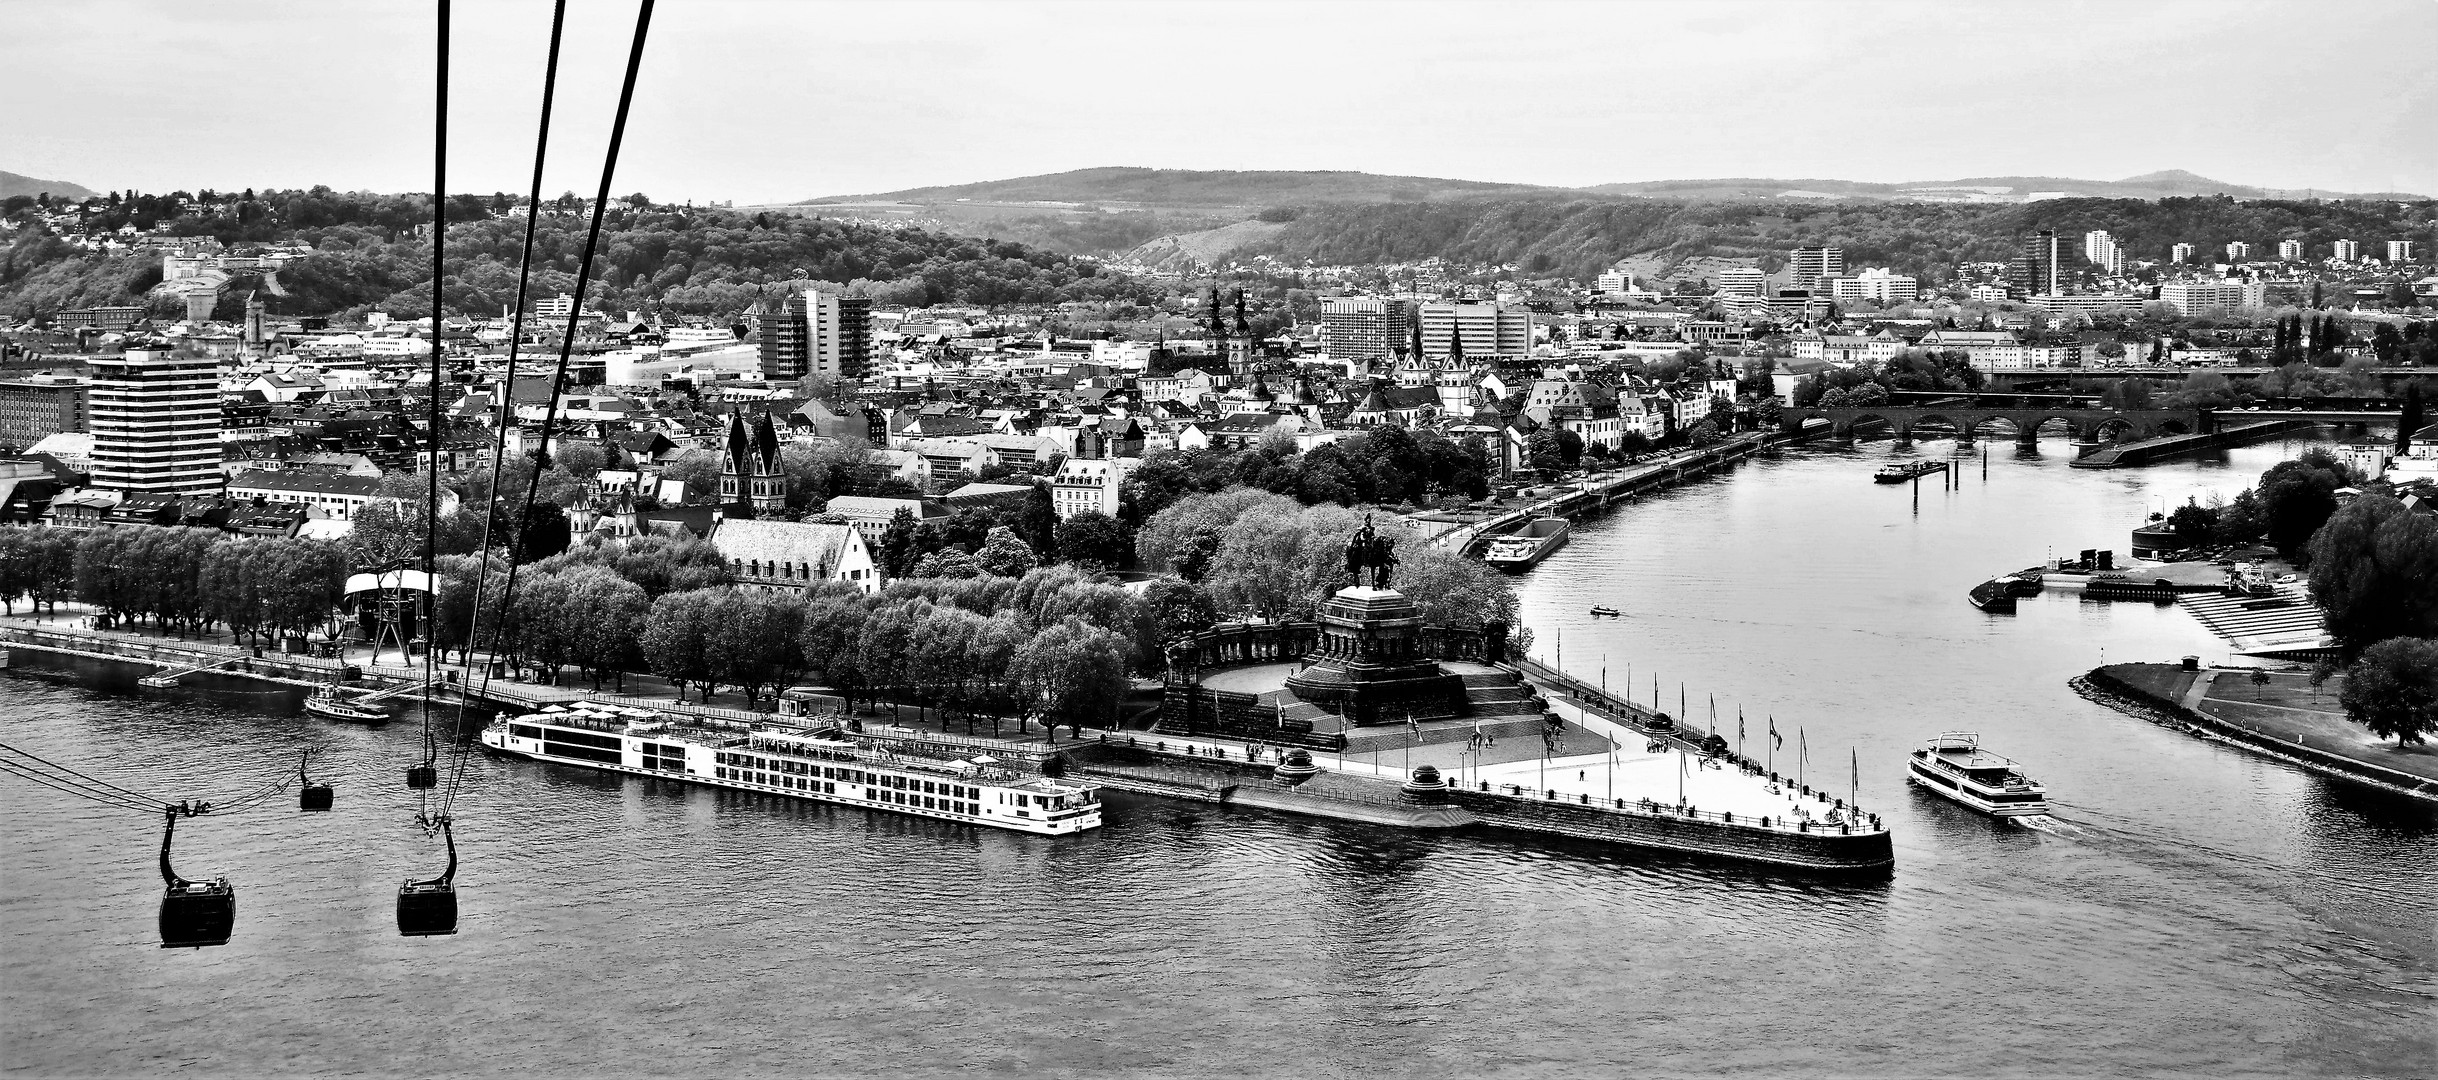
x=2284, y=717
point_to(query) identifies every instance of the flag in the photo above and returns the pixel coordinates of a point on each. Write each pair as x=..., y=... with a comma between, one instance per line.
x=1855, y=756
x=1775, y=739
x=1739, y=729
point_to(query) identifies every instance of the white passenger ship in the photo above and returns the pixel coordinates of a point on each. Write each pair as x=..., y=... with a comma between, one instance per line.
x=1954, y=765
x=824, y=765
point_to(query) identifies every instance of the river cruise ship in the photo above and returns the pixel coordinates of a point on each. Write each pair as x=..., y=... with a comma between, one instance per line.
x=1954, y=765
x=822, y=765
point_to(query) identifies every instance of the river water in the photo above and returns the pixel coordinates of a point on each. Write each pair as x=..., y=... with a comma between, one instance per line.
x=2190, y=908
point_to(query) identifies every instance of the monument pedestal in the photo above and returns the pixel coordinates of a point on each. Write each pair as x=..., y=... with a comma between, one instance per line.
x=1369, y=667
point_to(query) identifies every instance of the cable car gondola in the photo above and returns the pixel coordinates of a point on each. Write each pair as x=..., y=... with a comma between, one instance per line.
x=311, y=796
x=194, y=914
x=429, y=908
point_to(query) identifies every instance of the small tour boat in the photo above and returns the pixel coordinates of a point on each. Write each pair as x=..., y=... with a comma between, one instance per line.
x=1954, y=765
x=1604, y=609
x=327, y=704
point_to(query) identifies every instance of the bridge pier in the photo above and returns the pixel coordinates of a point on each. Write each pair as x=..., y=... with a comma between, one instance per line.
x=2027, y=435
x=1904, y=434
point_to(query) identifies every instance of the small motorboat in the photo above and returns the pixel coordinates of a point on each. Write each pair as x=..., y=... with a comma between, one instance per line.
x=327, y=704
x=1604, y=609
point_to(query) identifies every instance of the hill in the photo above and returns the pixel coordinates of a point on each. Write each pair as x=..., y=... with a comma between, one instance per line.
x=1193, y=189
x=680, y=261
x=2172, y=183
x=14, y=184
x=1579, y=237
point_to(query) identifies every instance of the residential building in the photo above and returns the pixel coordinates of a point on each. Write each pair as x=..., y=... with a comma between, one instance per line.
x=872, y=515
x=1090, y=481
x=1875, y=283
x=2200, y=297
x=1842, y=350
x=38, y=406
x=1814, y=267
x=1477, y=331
x=2399, y=251
x=336, y=496
x=1363, y=328
x=555, y=308
x=2102, y=250
x=2180, y=253
x=2027, y=356
x=1585, y=408
x=2035, y=271
x=106, y=319
x=156, y=422
x=1986, y=293
x=2104, y=304
x=791, y=556
x=2238, y=251
x=2290, y=250
x=1742, y=281
x=2347, y=251
x=812, y=331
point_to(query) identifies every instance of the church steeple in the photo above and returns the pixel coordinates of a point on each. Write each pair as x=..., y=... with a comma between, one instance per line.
x=751, y=482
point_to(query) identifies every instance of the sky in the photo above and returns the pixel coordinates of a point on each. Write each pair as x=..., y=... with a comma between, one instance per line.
x=780, y=101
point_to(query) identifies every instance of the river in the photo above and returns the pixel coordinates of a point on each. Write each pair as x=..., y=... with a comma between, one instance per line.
x=2189, y=909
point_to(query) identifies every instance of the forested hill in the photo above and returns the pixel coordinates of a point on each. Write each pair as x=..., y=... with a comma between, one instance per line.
x=673, y=259
x=1183, y=188
x=1580, y=237
x=15, y=184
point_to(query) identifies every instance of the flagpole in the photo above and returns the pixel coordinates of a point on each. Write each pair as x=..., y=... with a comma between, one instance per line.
x=1853, y=791
x=1803, y=753
x=1680, y=778
x=1612, y=770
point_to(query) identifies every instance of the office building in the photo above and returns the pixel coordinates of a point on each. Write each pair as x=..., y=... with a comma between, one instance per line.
x=1365, y=328
x=2207, y=297
x=816, y=332
x=2102, y=250
x=2399, y=251
x=38, y=406
x=2091, y=305
x=2290, y=250
x=2347, y=251
x=1813, y=267
x=2181, y=253
x=1741, y=281
x=1481, y=331
x=2237, y=251
x=156, y=422
x=1875, y=283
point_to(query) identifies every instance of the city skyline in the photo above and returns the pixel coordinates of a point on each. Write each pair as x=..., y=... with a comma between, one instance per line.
x=746, y=101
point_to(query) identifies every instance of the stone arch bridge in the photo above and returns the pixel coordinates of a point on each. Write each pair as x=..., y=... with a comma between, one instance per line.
x=2088, y=425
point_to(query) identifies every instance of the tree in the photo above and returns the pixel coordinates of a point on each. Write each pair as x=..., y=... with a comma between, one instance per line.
x=2194, y=524
x=1093, y=539
x=1005, y=554
x=2295, y=498
x=2374, y=572
x=2393, y=689
x=900, y=547
x=1075, y=672
x=1038, y=523
x=673, y=639
x=1541, y=452
x=1570, y=448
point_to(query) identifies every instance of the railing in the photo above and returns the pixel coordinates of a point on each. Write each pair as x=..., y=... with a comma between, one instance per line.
x=1649, y=810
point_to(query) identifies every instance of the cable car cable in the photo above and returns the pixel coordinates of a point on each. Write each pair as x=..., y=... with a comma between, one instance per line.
x=499, y=439
x=567, y=341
